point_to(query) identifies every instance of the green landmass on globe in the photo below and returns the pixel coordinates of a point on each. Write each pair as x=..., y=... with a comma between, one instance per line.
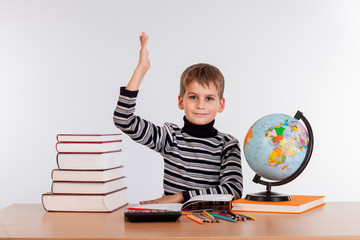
x=275, y=146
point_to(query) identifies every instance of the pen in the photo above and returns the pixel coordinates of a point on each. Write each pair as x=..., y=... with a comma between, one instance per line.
x=223, y=217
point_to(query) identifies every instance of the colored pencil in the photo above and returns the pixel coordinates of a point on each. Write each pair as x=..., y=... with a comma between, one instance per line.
x=210, y=216
x=223, y=217
x=195, y=219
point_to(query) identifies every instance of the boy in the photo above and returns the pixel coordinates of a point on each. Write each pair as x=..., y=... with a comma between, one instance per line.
x=197, y=158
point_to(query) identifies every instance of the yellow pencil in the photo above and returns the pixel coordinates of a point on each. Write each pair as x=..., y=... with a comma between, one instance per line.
x=210, y=216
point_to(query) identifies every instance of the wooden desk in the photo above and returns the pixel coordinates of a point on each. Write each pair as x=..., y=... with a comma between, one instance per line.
x=332, y=221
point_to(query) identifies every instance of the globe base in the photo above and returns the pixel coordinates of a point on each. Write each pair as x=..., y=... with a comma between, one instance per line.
x=268, y=196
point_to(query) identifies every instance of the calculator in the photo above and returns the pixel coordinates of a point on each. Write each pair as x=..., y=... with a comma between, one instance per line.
x=152, y=215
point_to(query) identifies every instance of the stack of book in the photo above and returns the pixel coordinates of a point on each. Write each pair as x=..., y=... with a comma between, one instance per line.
x=90, y=175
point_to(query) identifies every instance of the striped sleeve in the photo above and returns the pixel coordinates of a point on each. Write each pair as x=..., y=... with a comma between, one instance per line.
x=138, y=129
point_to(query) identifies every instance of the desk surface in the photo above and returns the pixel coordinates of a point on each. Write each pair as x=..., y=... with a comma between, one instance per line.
x=332, y=221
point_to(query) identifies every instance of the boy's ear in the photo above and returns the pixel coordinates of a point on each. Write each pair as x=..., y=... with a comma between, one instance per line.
x=222, y=105
x=180, y=102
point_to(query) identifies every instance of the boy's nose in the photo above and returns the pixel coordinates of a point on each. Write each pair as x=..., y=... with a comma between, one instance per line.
x=201, y=104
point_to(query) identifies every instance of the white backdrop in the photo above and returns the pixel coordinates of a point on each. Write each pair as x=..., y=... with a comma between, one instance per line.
x=62, y=64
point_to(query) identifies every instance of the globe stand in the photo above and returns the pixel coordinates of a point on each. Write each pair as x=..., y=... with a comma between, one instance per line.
x=269, y=196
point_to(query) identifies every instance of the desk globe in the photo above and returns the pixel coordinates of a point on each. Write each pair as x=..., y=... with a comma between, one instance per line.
x=277, y=147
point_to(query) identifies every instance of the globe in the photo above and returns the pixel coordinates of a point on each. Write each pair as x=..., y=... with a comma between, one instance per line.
x=276, y=147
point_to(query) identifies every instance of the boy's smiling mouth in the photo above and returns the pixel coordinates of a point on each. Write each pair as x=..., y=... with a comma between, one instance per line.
x=201, y=114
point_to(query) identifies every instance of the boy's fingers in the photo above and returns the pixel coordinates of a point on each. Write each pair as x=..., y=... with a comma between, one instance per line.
x=144, y=39
x=140, y=40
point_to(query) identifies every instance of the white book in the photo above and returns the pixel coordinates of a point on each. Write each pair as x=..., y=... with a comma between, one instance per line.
x=88, y=161
x=88, y=137
x=87, y=175
x=88, y=187
x=85, y=202
x=88, y=147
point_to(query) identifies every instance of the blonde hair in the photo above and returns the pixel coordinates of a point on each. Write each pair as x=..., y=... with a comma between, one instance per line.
x=204, y=74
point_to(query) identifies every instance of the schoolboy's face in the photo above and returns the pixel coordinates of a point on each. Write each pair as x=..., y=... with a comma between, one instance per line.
x=201, y=104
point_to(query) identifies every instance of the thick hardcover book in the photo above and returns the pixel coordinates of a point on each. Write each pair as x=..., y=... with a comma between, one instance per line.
x=88, y=147
x=88, y=161
x=88, y=137
x=87, y=175
x=87, y=187
x=298, y=204
x=85, y=202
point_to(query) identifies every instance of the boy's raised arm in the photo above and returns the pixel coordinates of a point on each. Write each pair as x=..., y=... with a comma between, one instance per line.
x=142, y=67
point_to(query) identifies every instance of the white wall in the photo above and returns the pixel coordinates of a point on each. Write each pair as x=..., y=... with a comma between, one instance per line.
x=62, y=63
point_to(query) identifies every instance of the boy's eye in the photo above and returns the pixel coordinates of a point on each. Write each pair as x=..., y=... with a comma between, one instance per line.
x=209, y=98
x=193, y=97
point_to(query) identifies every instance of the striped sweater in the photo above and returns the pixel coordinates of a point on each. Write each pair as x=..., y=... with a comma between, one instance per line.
x=197, y=159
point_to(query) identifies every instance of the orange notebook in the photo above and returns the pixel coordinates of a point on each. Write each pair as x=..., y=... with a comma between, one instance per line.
x=298, y=204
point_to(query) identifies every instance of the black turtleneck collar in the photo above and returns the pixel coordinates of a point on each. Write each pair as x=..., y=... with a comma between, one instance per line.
x=201, y=131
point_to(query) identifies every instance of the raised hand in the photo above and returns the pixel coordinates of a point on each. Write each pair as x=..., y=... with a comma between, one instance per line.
x=144, y=61
x=143, y=65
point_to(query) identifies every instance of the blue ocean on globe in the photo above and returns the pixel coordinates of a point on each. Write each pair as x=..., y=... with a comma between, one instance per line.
x=275, y=146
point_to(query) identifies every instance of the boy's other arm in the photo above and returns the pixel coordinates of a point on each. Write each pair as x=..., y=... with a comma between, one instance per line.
x=142, y=67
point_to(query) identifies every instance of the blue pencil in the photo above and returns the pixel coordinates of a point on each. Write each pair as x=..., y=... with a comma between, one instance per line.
x=222, y=217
